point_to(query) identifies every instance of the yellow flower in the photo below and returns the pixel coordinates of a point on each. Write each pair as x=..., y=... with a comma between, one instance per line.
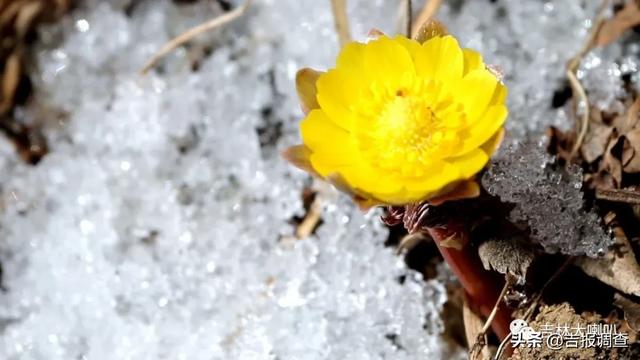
x=398, y=121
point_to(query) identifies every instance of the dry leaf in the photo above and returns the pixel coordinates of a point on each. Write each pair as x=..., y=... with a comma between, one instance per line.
x=596, y=141
x=623, y=20
x=409, y=241
x=631, y=311
x=10, y=81
x=19, y=18
x=631, y=117
x=26, y=16
x=473, y=325
x=560, y=143
x=618, y=268
x=611, y=162
x=631, y=152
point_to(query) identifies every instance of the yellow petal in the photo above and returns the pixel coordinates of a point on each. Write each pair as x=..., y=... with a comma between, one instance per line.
x=387, y=62
x=331, y=146
x=364, y=200
x=476, y=91
x=463, y=190
x=337, y=92
x=470, y=163
x=493, y=143
x=351, y=57
x=438, y=174
x=306, y=87
x=472, y=61
x=441, y=59
x=500, y=95
x=399, y=198
x=412, y=46
x=481, y=131
x=328, y=161
x=318, y=132
x=369, y=179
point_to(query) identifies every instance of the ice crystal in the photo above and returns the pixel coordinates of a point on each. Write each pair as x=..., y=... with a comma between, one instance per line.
x=548, y=198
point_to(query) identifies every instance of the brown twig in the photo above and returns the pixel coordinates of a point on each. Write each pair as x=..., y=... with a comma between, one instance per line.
x=193, y=32
x=619, y=195
x=428, y=11
x=576, y=86
x=481, y=338
x=501, y=348
x=409, y=18
x=494, y=311
x=310, y=220
x=339, y=8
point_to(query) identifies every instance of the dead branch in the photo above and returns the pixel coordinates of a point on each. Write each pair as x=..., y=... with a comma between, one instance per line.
x=311, y=219
x=409, y=18
x=341, y=20
x=576, y=86
x=186, y=36
x=619, y=195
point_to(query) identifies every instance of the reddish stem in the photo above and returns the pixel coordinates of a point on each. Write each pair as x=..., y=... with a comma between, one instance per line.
x=482, y=287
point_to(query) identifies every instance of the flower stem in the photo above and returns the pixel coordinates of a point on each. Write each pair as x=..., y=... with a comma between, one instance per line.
x=482, y=287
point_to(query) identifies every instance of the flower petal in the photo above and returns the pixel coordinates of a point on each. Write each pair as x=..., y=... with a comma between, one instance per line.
x=463, y=190
x=306, y=87
x=351, y=57
x=365, y=177
x=412, y=46
x=493, y=143
x=500, y=95
x=387, y=62
x=364, y=200
x=482, y=130
x=470, y=163
x=317, y=130
x=472, y=61
x=330, y=145
x=476, y=90
x=337, y=92
x=438, y=174
x=299, y=156
x=440, y=59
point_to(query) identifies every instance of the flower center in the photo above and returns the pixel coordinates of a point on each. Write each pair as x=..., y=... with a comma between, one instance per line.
x=410, y=131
